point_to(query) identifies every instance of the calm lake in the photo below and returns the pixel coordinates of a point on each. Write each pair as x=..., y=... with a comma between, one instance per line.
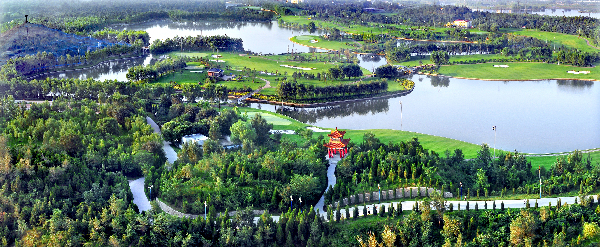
x=531, y=116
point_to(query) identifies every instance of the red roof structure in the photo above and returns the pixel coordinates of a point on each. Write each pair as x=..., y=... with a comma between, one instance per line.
x=336, y=133
x=337, y=143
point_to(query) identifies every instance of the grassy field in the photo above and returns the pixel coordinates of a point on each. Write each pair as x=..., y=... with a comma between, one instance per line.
x=548, y=161
x=568, y=40
x=435, y=143
x=414, y=61
x=519, y=71
x=322, y=43
x=270, y=64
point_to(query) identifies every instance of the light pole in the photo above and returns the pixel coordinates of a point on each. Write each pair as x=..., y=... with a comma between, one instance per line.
x=461, y=190
x=379, y=187
x=300, y=200
x=150, y=187
x=494, y=128
x=205, y=210
x=291, y=203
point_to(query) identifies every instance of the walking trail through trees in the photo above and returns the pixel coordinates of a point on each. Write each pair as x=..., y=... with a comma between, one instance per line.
x=140, y=199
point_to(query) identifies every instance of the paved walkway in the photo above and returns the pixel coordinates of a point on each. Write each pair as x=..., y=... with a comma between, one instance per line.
x=461, y=205
x=331, y=180
x=137, y=186
x=139, y=197
x=169, y=151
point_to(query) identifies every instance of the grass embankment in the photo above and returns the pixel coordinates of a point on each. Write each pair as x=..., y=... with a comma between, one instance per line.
x=307, y=40
x=519, y=71
x=434, y=143
x=568, y=40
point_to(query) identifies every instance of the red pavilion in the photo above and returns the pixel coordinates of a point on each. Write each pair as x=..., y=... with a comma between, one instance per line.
x=337, y=143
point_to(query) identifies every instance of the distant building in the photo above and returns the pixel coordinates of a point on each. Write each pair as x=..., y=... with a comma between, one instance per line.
x=296, y=1
x=214, y=72
x=460, y=23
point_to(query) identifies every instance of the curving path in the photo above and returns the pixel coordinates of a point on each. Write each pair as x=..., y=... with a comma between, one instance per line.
x=140, y=199
x=331, y=180
x=137, y=186
x=457, y=205
x=169, y=151
x=267, y=85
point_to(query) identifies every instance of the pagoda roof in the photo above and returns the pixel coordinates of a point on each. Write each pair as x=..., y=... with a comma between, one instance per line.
x=337, y=144
x=336, y=133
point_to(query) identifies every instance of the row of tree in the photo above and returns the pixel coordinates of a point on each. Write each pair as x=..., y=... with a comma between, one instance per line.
x=152, y=72
x=220, y=42
x=298, y=92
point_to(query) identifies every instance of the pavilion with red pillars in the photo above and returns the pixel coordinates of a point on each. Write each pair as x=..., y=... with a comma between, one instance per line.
x=337, y=143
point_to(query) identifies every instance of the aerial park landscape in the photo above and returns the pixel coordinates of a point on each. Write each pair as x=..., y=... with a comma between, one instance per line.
x=302, y=123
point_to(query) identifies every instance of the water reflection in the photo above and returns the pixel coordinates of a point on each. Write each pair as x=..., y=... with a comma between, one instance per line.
x=531, y=116
x=574, y=85
x=259, y=37
x=439, y=81
x=312, y=115
x=109, y=70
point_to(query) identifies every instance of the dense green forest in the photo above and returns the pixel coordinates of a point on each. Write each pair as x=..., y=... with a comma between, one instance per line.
x=65, y=164
x=407, y=164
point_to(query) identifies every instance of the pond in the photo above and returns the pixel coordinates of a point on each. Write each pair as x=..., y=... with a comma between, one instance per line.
x=108, y=70
x=259, y=37
x=265, y=38
x=531, y=116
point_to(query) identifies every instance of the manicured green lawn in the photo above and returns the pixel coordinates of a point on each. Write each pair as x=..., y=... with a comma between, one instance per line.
x=375, y=28
x=322, y=43
x=282, y=123
x=548, y=161
x=184, y=77
x=414, y=61
x=568, y=40
x=435, y=143
x=272, y=119
x=518, y=71
x=271, y=64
